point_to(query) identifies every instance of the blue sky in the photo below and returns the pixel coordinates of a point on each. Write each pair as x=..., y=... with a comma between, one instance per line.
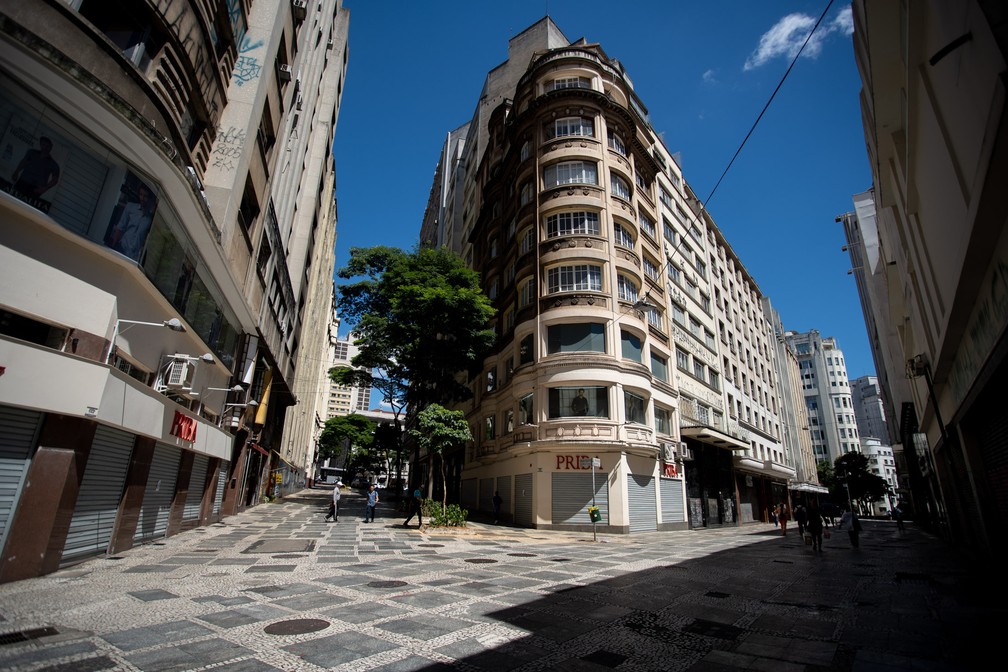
x=703, y=69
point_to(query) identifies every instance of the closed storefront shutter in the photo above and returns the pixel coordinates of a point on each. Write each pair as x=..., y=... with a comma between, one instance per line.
x=197, y=480
x=643, y=503
x=504, y=488
x=100, y=492
x=18, y=433
x=572, y=495
x=158, y=494
x=523, y=500
x=468, y=495
x=221, y=480
x=486, y=494
x=672, y=509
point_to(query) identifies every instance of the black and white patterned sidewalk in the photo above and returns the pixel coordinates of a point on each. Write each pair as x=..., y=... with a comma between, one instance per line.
x=277, y=588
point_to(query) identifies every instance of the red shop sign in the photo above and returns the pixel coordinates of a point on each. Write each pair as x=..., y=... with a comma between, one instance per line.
x=184, y=427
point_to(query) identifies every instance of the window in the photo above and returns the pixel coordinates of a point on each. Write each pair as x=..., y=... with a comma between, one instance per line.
x=527, y=240
x=651, y=269
x=525, y=416
x=623, y=237
x=674, y=274
x=699, y=370
x=662, y=421
x=695, y=327
x=491, y=432
x=631, y=346
x=579, y=337
x=568, y=83
x=571, y=172
x=526, y=150
x=508, y=421
x=568, y=402
x=682, y=359
x=709, y=339
x=509, y=318
x=654, y=317
x=492, y=290
x=678, y=314
x=659, y=367
x=626, y=288
x=715, y=380
x=619, y=187
x=701, y=268
x=491, y=379
x=668, y=231
x=646, y=225
x=582, y=277
x=666, y=198
x=570, y=223
x=616, y=143
x=527, y=295
x=633, y=406
x=526, y=351
x=525, y=195
x=570, y=126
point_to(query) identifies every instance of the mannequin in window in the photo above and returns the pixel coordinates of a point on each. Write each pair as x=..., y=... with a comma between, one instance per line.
x=579, y=405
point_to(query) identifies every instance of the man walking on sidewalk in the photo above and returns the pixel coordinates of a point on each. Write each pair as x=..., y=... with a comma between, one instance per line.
x=415, y=509
x=334, y=504
x=372, y=503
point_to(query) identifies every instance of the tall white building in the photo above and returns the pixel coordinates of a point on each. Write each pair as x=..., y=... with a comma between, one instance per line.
x=832, y=421
x=866, y=395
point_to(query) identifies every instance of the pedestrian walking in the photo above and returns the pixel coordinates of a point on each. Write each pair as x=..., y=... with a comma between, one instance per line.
x=898, y=515
x=372, y=503
x=783, y=515
x=497, y=501
x=850, y=522
x=334, y=504
x=801, y=517
x=415, y=509
x=814, y=525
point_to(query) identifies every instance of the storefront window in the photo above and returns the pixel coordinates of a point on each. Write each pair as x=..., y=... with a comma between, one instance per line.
x=566, y=402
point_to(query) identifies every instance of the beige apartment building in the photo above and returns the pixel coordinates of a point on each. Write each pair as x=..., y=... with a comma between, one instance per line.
x=633, y=373
x=936, y=253
x=158, y=264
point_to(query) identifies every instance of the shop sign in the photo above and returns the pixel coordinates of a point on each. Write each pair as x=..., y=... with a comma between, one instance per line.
x=576, y=462
x=184, y=427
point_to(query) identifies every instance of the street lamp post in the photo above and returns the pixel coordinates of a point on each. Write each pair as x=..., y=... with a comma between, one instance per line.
x=174, y=324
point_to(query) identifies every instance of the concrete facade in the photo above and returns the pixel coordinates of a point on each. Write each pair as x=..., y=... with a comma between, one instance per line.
x=937, y=146
x=155, y=268
x=629, y=331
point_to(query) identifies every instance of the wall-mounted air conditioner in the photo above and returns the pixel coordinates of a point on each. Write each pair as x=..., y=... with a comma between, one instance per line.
x=299, y=8
x=684, y=451
x=178, y=375
x=284, y=72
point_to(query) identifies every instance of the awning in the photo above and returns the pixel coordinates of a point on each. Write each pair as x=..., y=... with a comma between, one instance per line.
x=808, y=487
x=713, y=437
x=256, y=446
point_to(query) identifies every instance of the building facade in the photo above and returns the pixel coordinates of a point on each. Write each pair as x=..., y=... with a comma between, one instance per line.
x=632, y=377
x=936, y=145
x=155, y=261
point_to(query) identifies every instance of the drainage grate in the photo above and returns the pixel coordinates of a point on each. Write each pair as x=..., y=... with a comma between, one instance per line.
x=605, y=658
x=480, y=561
x=387, y=584
x=559, y=559
x=522, y=555
x=25, y=635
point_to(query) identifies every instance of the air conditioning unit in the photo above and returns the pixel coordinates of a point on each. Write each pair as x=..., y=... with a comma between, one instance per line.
x=330, y=44
x=684, y=452
x=300, y=8
x=178, y=375
x=299, y=102
x=667, y=452
x=284, y=72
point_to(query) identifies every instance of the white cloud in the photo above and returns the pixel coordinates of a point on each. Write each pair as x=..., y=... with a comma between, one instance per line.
x=786, y=37
x=709, y=77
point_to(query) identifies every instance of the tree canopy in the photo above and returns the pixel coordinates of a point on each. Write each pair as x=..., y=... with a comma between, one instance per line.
x=851, y=470
x=420, y=317
x=338, y=429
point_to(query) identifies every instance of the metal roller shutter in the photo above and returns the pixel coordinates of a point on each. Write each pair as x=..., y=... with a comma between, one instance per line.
x=197, y=481
x=468, y=494
x=523, y=510
x=486, y=494
x=99, y=495
x=643, y=503
x=572, y=495
x=672, y=508
x=221, y=480
x=18, y=434
x=158, y=494
x=504, y=488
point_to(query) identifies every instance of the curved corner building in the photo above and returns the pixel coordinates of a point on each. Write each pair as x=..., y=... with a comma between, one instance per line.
x=161, y=171
x=610, y=284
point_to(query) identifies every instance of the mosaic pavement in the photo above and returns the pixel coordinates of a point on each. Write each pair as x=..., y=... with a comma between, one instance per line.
x=277, y=588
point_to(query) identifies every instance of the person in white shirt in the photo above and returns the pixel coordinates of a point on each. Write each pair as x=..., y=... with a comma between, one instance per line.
x=334, y=504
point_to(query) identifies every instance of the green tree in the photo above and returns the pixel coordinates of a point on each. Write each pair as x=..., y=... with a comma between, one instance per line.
x=420, y=318
x=439, y=431
x=851, y=470
x=346, y=436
